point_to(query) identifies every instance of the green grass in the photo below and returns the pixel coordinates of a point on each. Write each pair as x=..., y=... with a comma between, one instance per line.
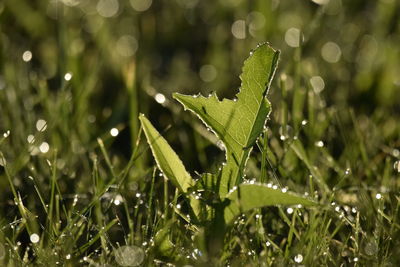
x=92, y=194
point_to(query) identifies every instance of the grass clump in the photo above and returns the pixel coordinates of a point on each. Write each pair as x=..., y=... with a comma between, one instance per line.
x=78, y=182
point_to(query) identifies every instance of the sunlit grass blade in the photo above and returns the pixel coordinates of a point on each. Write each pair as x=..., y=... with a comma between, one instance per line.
x=250, y=196
x=166, y=158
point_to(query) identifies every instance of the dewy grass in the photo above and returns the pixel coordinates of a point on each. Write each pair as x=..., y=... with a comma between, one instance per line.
x=72, y=194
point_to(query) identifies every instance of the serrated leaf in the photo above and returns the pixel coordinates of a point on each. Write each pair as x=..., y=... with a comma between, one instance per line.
x=166, y=158
x=250, y=196
x=238, y=123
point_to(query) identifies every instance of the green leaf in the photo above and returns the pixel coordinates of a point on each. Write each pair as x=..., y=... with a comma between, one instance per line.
x=167, y=160
x=238, y=123
x=250, y=196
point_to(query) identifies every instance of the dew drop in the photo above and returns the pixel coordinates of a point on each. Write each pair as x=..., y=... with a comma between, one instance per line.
x=34, y=238
x=27, y=56
x=41, y=125
x=319, y=144
x=378, y=196
x=44, y=147
x=30, y=139
x=114, y=132
x=6, y=134
x=68, y=256
x=118, y=200
x=298, y=258
x=160, y=98
x=289, y=210
x=68, y=76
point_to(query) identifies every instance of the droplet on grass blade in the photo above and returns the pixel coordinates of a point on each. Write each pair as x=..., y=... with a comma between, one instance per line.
x=114, y=132
x=41, y=125
x=289, y=210
x=44, y=147
x=160, y=98
x=129, y=255
x=34, y=238
x=298, y=258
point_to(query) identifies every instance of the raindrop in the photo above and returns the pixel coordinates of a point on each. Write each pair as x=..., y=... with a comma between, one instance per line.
x=298, y=258
x=34, y=238
x=274, y=187
x=304, y=122
x=378, y=196
x=6, y=134
x=355, y=259
x=178, y=206
x=68, y=256
x=347, y=172
x=160, y=98
x=268, y=243
x=114, y=132
x=41, y=125
x=289, y=210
